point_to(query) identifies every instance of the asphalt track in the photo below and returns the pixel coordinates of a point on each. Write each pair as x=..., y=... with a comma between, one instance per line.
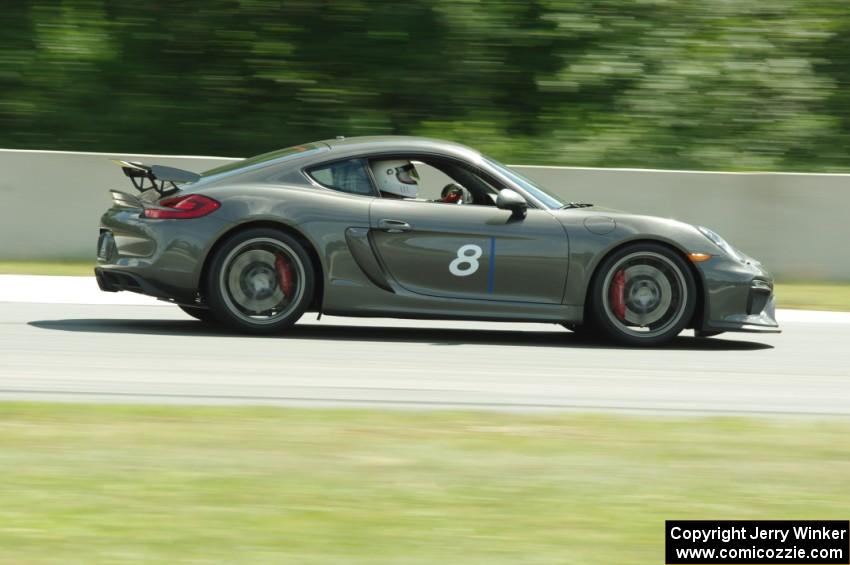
x=136, y=350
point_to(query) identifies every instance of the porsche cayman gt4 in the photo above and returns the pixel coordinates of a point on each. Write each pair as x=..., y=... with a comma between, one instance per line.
x=415, y=228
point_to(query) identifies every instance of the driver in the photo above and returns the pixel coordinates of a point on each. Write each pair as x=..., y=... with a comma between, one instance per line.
x=396, y=178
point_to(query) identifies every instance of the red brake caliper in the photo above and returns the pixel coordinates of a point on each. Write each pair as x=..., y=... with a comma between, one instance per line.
x=284, y=274
x=615, y=294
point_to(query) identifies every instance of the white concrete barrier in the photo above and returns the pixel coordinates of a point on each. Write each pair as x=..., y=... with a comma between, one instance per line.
x=797, y=224
x=51, y=201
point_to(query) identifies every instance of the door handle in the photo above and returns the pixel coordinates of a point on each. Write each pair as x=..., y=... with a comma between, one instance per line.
x=394, y=226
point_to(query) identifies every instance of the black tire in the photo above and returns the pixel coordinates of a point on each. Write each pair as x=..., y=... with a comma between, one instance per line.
x=247, y=287
x=656, y=300
x=202, y=314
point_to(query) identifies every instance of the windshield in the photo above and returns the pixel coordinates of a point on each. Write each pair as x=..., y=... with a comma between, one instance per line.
x=527, y=185
x=261, y=160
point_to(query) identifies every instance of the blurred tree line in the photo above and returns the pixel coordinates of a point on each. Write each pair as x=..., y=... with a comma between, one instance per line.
x=712, y=84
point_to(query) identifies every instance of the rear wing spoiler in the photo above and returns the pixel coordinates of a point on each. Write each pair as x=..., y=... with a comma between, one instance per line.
x=140, y=174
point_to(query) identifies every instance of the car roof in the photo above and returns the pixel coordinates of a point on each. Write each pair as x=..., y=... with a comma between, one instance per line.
x=389, y=143
x=333, y=149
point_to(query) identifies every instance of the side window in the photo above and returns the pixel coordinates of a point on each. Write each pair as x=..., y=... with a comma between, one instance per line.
x=476, y=188
x=346, y=176
x=431, y=181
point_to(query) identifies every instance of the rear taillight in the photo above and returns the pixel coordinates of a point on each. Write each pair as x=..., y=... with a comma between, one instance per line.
x=183, y=207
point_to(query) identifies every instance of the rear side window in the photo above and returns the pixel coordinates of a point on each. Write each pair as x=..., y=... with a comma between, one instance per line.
x=280, y=156
x=346, y=176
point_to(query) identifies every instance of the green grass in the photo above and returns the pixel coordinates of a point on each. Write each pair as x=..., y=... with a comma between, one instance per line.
x=814, y=296
x=810, y=296
x=95, y=484
x=58, y=267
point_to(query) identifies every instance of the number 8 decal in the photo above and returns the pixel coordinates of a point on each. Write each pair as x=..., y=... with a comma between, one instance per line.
x=466, y=262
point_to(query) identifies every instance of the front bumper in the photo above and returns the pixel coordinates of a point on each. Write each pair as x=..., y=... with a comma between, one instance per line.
x=738, y=297
x=763, y=322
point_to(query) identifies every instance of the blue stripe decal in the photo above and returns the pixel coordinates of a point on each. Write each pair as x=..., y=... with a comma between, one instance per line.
x=491, y=273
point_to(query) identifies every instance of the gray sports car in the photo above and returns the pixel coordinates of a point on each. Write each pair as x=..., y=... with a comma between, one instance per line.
x=409, y=227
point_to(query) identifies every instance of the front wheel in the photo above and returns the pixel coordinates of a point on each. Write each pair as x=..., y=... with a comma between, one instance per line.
x=643, y=294
x=260, y=281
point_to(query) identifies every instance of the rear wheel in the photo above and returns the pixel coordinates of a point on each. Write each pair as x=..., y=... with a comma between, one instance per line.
x=643, y=294
x=260, y=281
x=202, y=314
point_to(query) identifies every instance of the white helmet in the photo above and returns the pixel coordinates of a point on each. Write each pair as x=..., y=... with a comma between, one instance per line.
x=397, y=177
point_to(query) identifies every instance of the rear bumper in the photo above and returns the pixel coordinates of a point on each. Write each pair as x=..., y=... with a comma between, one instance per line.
x=159, y=258
x=114, y=280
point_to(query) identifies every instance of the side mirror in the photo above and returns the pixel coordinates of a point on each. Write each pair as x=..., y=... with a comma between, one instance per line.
x=510, y=200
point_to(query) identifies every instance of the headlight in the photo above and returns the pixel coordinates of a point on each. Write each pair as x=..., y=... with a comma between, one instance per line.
x=721, y=243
